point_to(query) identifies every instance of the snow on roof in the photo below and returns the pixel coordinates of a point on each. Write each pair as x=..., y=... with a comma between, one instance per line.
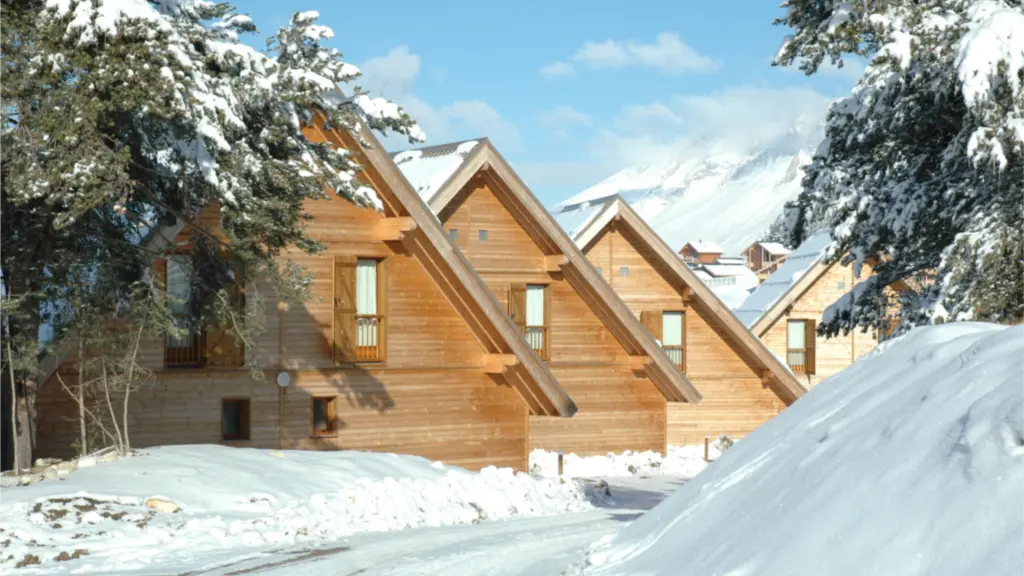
x=778, y=284
x=731, y=261
x=429, y=168
x=720, y=270
x=705, y=246
x=774, y=248
x=575, y=220
x=904, y=463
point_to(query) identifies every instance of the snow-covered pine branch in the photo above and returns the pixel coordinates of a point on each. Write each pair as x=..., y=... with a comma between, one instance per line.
x=924, y=161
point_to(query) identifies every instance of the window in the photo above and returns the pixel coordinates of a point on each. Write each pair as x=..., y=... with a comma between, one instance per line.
x=800, y=346
x=482, y=235
x=323, y=416
x=234, y=419
x=624, y=271
x=185, y=347
x=531, y=311
x=360, y=292
x=453, y=234
x=841, y=285
x=600, y=271
x=673, y=337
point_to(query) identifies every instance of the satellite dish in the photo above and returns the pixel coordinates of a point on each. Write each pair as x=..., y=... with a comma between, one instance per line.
x=283, y=379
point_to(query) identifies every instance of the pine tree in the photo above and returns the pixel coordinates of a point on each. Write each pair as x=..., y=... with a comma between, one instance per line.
x=922, y=166
x=125, y=118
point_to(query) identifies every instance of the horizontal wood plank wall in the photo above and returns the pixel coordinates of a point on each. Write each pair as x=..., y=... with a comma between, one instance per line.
x=734, y=401
x=618, y=409
x=834, y=354
x=431, y=398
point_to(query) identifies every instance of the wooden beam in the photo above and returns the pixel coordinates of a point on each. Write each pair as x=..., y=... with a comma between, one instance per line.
x=766, y=377
x=639, y=362
x=687, y=294
x=497, y=363
x=555, y=262
x=393, y=229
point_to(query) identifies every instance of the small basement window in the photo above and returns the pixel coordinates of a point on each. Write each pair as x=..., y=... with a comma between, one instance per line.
x=234, y=419
x=482, y=235
x=323, y=415
x=624, y=271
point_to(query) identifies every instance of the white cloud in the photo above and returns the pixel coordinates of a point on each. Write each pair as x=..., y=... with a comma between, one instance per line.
x=561, y=119
x=556, y=69
x=394, y=77
x=668, y=54
x=734, y=121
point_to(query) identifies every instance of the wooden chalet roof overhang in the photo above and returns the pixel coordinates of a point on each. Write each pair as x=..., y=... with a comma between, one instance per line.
x=410, y=221
x=562, y=255
x=774, y=375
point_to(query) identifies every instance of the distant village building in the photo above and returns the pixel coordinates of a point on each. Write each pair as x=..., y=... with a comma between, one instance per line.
x=701, y=252
x=764, y=258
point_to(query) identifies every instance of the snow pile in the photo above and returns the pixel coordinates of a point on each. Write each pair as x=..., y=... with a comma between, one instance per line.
x=909, y=462
x=682, y=461
x=230, y=498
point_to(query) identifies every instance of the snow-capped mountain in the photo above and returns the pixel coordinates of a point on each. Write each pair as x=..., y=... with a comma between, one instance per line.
x=727, y=198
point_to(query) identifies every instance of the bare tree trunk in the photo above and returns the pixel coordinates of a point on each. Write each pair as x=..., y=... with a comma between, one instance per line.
x=128, y=386
x=110, y=407
x=80, y=397
x=14, y=412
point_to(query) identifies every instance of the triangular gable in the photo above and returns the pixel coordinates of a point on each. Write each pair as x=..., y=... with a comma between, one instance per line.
x=450, y=269
x=553, y=241
x=802, y=268
x=782, y=381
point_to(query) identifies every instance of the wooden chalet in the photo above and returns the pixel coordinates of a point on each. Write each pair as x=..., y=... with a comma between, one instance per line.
x=701, y=252
x=402, y=349
x=785, y=310
x=601, y=354
x=764, y=258
x=742, y=383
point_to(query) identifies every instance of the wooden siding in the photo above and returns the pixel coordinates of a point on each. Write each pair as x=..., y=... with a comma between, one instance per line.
x=430, y=398
x=619, y=409
x=734, y=401
x=831, y=354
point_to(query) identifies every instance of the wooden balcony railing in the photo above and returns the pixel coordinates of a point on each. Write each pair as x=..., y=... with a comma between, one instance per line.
x=797, y=360
x=537, y=338
x=677, y=355
x=369, y=332
x=186, y=350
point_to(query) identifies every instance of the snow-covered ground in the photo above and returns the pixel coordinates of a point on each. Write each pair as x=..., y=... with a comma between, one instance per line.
x=910, y=462
x=235, y=502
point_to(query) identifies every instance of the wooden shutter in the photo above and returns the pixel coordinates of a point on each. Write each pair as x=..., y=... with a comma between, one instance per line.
x=517, y=305
x=651, y=320
x=810, y=341
x=382, y=308
x=223, y=347
x=344, y=309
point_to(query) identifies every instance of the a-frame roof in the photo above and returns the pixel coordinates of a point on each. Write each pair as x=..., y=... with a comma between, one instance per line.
x=797, y=274
x=483, y=158
x=782, y=381
x=453, y=273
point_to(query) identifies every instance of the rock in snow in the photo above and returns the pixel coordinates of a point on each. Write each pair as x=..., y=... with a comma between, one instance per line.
x=910, y=462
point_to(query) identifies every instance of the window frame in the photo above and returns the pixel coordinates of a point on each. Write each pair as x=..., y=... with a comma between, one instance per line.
x=809, y=350
x=332, y=417
x=350, y=319
x=453, y=235
x=624, y=271
x=482, y=235
x=682, y=338
x=198, y=347
x=544, y=350
x=244, y=419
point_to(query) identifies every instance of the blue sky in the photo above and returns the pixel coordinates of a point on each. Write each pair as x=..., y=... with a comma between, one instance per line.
x=570, y=92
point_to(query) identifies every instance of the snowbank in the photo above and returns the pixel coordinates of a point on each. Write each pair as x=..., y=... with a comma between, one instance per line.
x=682, y=461
x=97, y=519
x=909, y=462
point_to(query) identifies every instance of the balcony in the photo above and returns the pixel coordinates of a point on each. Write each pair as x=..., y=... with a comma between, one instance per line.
x=537, y=338
x=677, y=355
x=797, y=360
x=369, y=344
